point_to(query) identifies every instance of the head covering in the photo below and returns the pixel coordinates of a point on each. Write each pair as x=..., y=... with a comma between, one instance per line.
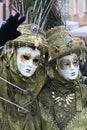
x=61, y=43
x=33, y=84
x=30, y=38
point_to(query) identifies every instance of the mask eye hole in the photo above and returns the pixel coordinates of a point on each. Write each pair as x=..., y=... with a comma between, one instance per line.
x=66, y=63
x=36, y=60
x=76, y=62
x=25, y=57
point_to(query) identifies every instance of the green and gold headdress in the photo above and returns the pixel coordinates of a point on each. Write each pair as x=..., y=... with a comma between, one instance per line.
x=29, y=38
x=61, y=43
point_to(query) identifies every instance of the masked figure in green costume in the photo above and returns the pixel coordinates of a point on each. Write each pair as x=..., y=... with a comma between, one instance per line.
x=22, y=76
x=22, y=73
x=63, y=100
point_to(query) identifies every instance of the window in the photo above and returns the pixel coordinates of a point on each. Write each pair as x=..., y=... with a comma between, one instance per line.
x=84, y=6
x=75, y=7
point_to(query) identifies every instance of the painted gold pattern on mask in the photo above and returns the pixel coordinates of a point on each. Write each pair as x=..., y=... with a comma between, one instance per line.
x=36, y=60
x=75, y=61
x=66, y=63
x=25, y=57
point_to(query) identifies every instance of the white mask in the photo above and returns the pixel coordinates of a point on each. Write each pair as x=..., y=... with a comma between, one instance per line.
x=68, y=66
x=27, y=60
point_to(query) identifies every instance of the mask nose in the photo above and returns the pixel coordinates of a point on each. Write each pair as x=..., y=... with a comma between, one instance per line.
x=30, y=63
x=72, y=67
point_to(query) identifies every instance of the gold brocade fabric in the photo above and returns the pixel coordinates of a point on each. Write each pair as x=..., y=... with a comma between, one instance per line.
x=63, y=102
x=59, y=112
x=79, y=122
x=12, y=117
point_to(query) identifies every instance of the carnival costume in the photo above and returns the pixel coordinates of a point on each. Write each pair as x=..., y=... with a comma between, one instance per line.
x=19, y=91
x=63, y=102
x=19, y=107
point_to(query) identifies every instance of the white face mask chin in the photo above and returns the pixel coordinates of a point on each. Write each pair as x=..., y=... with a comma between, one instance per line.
x=27, y=60
x=68, y=66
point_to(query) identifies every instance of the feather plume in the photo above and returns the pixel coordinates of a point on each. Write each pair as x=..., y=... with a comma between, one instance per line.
x=37, y=11
x=59, y=14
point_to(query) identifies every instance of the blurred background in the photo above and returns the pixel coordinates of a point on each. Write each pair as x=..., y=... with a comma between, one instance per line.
x=76, y=10
x=74, y=13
